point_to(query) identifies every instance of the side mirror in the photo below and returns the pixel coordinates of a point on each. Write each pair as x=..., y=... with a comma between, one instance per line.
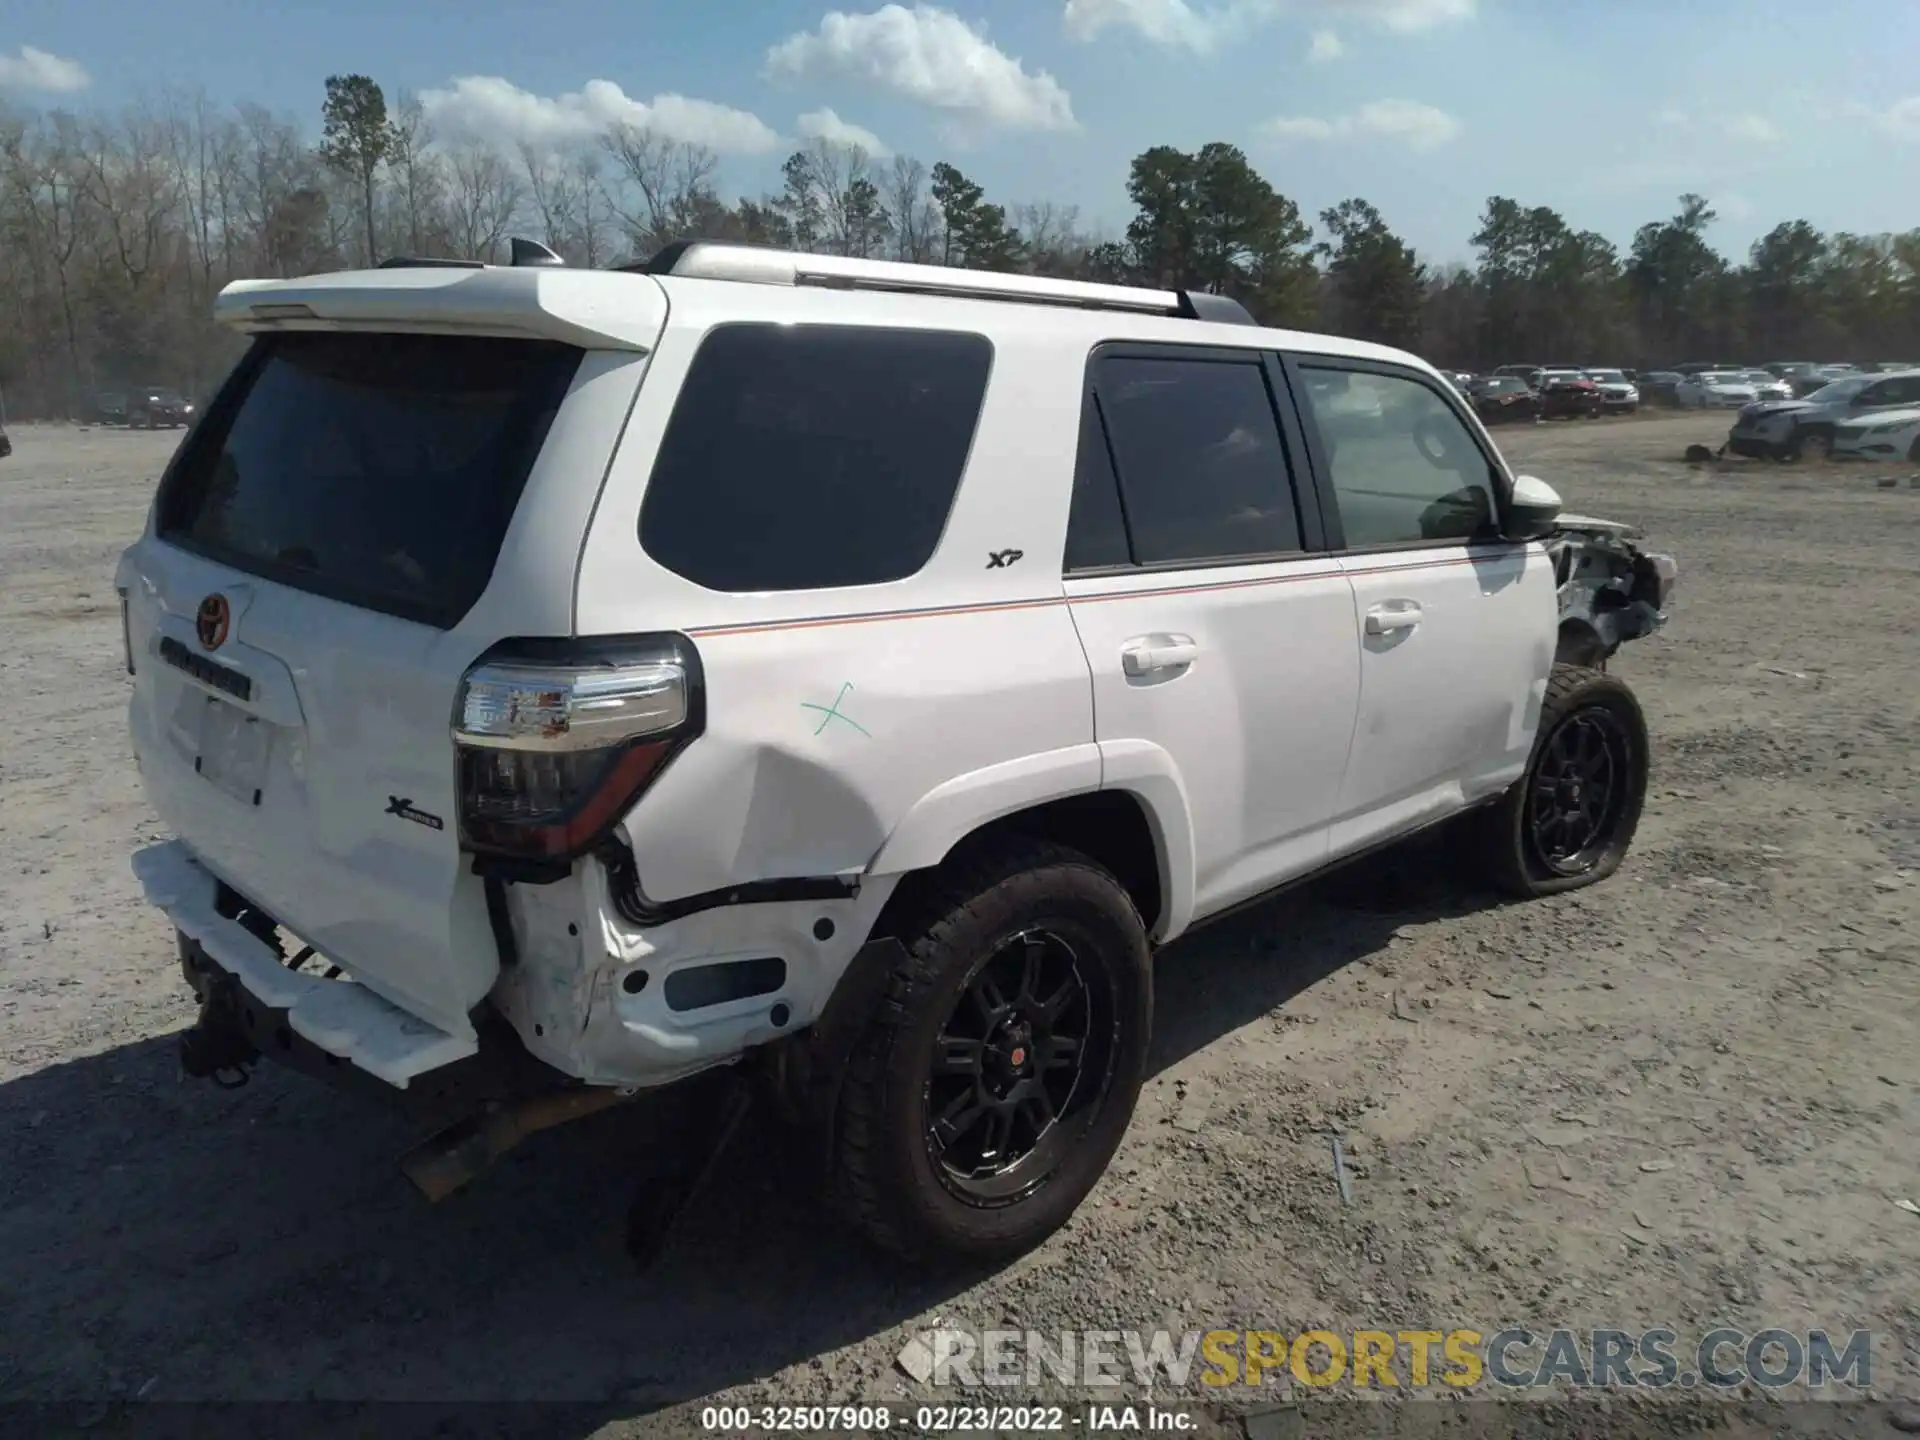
x=1533, y=510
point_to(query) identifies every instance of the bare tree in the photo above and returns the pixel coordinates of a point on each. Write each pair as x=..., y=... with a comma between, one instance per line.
x=916, y=220
x=672, y=180
x=486, y=197
x=418, y=184
x=43, y=181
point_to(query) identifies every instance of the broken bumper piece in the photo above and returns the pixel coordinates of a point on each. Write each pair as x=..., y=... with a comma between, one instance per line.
x=339, y=1017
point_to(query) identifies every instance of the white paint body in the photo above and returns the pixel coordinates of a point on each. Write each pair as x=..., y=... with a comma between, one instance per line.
x=1273, y=734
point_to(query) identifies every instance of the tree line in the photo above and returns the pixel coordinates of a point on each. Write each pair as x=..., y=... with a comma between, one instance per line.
x=118, y=227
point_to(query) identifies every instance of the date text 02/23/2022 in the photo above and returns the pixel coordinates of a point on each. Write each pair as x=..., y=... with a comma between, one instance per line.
x=943, y=1419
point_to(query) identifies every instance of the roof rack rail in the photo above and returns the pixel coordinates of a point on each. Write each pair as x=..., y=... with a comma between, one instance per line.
x=711, y=260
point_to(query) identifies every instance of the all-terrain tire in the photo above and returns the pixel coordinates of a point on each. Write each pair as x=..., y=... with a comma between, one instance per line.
x=884, y=1176
x=1581, y=703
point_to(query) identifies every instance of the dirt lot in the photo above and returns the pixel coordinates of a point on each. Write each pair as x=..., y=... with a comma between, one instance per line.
x=1688, y=1098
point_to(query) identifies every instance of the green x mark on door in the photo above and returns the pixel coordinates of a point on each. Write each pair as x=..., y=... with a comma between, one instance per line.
x=830, y=713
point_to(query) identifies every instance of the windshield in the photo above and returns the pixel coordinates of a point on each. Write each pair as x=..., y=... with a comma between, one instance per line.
x=1839, y=390
x=1610, y=377
x=1722, y=377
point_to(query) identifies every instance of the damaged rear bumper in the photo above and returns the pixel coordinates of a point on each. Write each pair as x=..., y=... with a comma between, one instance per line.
x=289, y=1009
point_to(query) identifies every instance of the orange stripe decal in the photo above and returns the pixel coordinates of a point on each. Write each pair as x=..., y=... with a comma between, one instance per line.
x=991, y=607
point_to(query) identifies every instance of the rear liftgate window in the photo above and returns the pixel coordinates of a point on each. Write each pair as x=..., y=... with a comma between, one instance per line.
x=377, y=469
x=814, y=456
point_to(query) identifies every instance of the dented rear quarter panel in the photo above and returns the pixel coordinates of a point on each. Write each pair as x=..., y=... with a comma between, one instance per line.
x=832, y=713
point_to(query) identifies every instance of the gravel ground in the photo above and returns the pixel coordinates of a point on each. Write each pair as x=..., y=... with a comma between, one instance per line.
x=1690, y=1097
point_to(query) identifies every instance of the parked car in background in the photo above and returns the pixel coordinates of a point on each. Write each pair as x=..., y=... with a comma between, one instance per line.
x=1790, y=429
x=1767, y=386
x=6, y=445
x=1805, y=383
x=1525, y=371
x=1715, y=390
x=1618, y=394
x=110, y=408
x=1498, y=399
x=1567, y=393
x=1458, y=379
x=1881, y=435
x=1657, y=386
x=154, y=407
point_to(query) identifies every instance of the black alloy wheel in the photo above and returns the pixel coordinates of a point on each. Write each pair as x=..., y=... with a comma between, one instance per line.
x=1569, y=821
x=1024, y=1058
x=1577, y=792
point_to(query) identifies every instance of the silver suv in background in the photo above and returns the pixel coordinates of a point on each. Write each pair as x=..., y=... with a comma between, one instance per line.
x=1791, y=429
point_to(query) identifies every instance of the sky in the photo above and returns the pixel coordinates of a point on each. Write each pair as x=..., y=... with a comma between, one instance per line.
x=1774, y=109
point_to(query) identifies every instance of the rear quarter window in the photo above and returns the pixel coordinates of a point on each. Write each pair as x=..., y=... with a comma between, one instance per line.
x=804, y=457
x=377, y=469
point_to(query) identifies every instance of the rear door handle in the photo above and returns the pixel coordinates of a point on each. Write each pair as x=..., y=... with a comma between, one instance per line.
x=1391, y=615
x=1157, y=654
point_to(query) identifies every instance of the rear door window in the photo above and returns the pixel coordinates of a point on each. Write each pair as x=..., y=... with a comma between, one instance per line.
x=377, y=469
x=1202, y=467
x=805, y=457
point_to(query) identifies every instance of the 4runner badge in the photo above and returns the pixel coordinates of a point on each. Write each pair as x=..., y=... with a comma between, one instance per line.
x=210, y=622
x=406, y=811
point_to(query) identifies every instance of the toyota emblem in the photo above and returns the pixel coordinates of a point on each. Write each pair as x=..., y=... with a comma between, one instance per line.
x=211, y=622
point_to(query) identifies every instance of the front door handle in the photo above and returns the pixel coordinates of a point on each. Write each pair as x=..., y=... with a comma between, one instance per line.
x=1157, y=655
x=1392, y=615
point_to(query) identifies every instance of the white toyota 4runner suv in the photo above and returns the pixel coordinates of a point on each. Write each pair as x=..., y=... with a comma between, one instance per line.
x=562, y=683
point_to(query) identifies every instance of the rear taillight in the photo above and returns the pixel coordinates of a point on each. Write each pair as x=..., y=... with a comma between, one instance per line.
x=556, y=739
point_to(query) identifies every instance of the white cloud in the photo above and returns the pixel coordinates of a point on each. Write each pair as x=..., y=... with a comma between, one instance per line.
x=931, y=56
x=33, y=69
x=1180, y=24
x=823, y=124
x=1746, y=127
x=1174, y=24
x=1755, y=128
x=1327, y=45
x=1901, y=119
x=1417, y=126
x=490, y=108
x=1406, y=17
x=1731, y=205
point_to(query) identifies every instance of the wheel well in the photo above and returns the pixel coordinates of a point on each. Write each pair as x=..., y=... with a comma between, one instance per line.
x=1107, y=826
x=1580, y=644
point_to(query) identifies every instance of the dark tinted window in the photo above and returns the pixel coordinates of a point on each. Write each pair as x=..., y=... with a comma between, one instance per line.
x=1096, y=528
x=813, y=456
x=381, y=470
x=1202, y=469
x=1404, y=466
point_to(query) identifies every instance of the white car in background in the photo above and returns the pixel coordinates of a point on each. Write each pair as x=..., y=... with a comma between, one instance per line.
x=1715, y=390
x=1618, y=394
x=1885, y=435
x=1768, y=386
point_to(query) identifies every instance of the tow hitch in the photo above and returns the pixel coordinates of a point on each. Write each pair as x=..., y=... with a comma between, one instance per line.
x=216, y=1046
